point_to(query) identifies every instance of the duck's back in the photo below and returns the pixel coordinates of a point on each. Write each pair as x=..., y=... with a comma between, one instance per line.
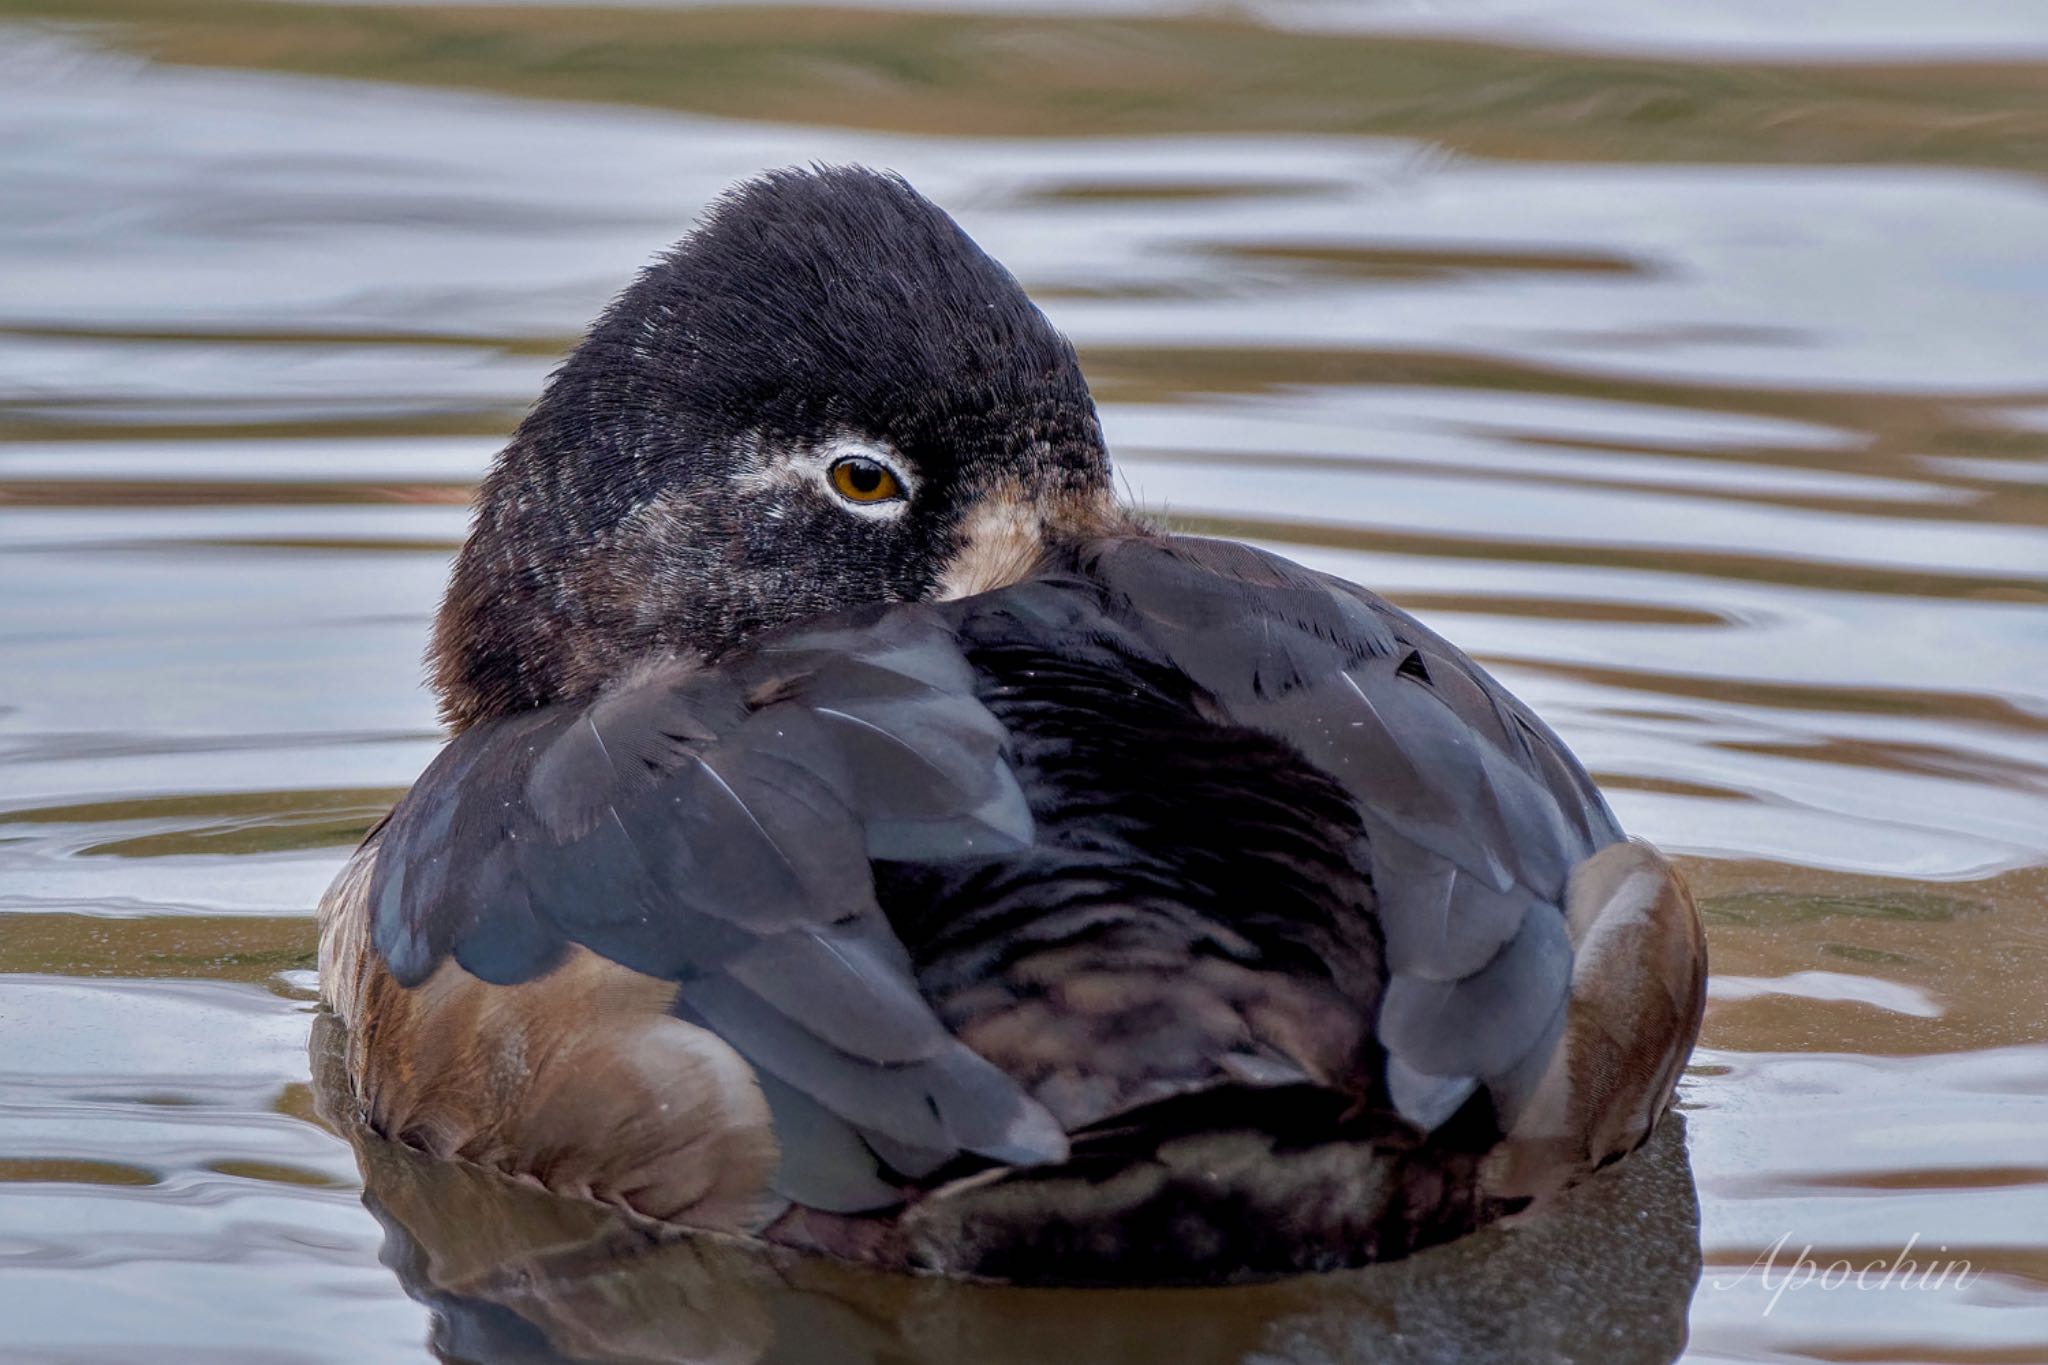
x=1290, y=772
x=1177, y=914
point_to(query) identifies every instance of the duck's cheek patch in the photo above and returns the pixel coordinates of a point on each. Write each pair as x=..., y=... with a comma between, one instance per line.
x=1000, y=542
x=1003, y=536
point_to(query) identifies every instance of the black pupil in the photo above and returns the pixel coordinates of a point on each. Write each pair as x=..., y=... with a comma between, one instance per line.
x=863, y=477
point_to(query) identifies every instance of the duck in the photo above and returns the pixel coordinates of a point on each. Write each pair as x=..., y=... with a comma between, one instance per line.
x=863, y=834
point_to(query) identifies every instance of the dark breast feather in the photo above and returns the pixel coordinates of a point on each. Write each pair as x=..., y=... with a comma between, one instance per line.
x=1194, y=912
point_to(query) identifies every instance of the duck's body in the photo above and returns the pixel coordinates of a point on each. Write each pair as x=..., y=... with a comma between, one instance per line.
x=1116, y=906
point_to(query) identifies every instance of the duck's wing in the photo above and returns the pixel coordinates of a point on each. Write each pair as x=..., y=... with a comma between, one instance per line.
x=715, y=829
x=1474, y=812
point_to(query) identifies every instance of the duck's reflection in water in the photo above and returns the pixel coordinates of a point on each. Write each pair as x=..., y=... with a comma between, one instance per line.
x=515, y=1274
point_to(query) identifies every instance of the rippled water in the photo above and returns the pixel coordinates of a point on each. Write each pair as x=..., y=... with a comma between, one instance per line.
x=1685, y=362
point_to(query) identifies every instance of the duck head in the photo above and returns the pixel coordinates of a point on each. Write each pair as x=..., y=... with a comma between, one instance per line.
x=826, y=396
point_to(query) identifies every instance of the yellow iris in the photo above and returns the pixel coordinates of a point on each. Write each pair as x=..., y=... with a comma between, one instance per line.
x=863, y=480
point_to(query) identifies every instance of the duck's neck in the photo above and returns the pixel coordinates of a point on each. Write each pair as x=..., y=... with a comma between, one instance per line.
x=517, y=627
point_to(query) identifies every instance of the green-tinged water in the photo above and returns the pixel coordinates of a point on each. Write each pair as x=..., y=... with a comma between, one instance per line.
x=1686, y=362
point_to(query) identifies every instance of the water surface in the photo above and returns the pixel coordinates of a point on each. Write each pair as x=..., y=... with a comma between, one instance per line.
x=1684, y=362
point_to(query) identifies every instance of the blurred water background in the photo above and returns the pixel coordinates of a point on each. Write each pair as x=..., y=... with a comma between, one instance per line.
x=1683, y=359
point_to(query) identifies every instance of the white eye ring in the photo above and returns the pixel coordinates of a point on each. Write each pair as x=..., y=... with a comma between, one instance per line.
x=838, y=453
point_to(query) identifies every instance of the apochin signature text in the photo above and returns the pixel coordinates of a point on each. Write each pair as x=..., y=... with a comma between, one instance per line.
x=1776, y=1274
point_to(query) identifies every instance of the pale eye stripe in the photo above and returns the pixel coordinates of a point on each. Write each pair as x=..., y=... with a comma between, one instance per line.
x=769, y=468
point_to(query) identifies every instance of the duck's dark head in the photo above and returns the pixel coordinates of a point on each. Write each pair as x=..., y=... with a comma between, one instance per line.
x=826, y=396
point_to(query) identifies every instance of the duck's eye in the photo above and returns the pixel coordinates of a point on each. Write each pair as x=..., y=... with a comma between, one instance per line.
x=859, y=479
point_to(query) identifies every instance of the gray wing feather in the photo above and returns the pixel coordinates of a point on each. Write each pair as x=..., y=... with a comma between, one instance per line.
x=1474, y=812
x=716, y=829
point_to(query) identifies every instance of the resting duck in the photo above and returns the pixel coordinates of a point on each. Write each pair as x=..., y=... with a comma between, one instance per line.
x=863, y=834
